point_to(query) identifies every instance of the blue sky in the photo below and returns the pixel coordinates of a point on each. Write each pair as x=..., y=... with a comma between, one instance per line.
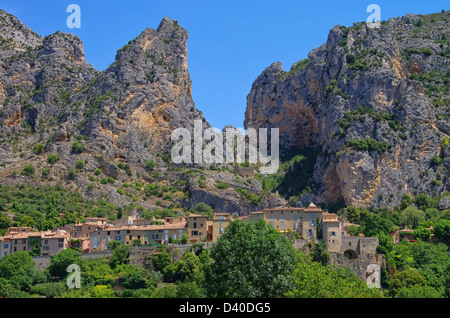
x=231, y=42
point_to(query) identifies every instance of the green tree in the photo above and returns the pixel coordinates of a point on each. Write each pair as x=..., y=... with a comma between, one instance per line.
x=374, y=224
x=102, y=291
x=422, y=202
x=406, y=279
x=5, y=221
x=204, y=209
x=161, y=260
x=190, y=268
x=71, y=174
x=79, y=165
x=27, y=221
x=190, y=290
x=120, y=253
x=442, y=231
x=422, y=234
x=136, y=278
x=313, y=280
x=320, y=254
x=53, y=158
x=38, y=148
x=412, y=217
x=16, y=264
x=251, y=260
x=418, y=292
x=184, y=238
x=60, y=262
x=77, y=147
x=406, y=201
x=353, y=230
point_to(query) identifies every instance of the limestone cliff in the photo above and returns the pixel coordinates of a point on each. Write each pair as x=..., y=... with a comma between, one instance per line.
x=374, y=102
x=51, y=98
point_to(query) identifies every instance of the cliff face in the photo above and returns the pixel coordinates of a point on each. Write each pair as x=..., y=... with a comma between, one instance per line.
x=375, y=102
x=50, y=98
x=130, y=109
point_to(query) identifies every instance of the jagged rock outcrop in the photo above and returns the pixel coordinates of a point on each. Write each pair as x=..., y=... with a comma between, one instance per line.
x=375, y=102
x=51, y=97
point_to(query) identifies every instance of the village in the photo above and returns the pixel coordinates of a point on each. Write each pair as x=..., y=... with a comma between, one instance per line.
x=95, y=234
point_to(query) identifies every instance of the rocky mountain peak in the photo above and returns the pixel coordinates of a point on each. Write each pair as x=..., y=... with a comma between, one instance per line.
x=64, y=45
x=12, y=30
x=373, y=103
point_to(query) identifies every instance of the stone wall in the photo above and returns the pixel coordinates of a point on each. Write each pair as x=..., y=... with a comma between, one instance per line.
x=138, y=255
x=361, y=245
x=359, y=265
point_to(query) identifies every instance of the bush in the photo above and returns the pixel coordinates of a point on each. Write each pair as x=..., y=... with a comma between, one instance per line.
x=53, y=158
x=367, y=144
x=79, y=165
x=77, y=147
x=38, y=149
x=98, y=172
x=45, y=173
x=222, y=185
x=150, y=165
x=71, y=174
x=28, y=170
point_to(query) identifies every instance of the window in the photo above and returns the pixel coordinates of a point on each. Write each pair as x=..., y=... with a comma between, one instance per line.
x=220, y=230
x=60, y=245
x=46, y=242
x=295, y=217
x=24, y=248
x=46, y=248
x=61, y=240
x=282, y=226
x=128, y=231
x=194, y=225
x=108, y=233
x=332, y=233
x=313, y=215
x=312, y=223
x=130, y=237
x=24, y=241
x=221, y=217
x=194, y=233
x=5, y=245
x=154, y=236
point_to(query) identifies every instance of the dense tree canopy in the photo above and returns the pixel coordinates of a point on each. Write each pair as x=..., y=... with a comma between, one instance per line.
x=251, y=260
